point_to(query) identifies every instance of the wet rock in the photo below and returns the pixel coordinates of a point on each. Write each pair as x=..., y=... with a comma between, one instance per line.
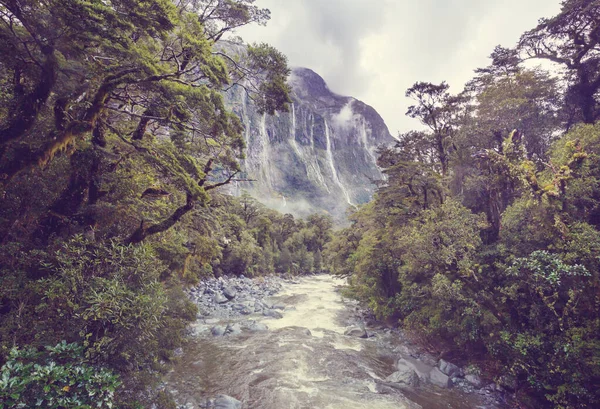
x=226, y=402
x=229, y=292
x=218, y=330
x=278, y=306
x=474, y=380
x=356, y=332
x=405, y=376
x=450, y=369
x=438, y=378
x=272, y=314
x=220, y=298
x=233, y=329
x=421, y=369
x=256, y=327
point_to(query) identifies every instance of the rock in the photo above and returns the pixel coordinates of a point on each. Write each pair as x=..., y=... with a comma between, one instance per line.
x=233, y=329
x=256, y=327
x=278, y=306
x=272, y=314
x=450, y=369
x=356, y=332
x=474, y=380
x=438, y=378
x=218, y=330
x=406, y=376
x=178, y=352
x=422, y=370
x=267, y=304
x=220, y=298
x=226, y=402
x=229, y=292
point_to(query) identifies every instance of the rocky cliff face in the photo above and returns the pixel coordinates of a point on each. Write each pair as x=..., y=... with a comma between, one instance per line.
x=319, y=156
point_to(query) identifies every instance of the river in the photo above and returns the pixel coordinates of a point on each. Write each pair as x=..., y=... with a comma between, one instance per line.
x=304, y=361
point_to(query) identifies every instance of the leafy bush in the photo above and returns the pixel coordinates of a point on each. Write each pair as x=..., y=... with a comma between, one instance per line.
x=59, y=377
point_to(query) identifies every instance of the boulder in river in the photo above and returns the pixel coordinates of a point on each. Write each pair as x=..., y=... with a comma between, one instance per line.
x=272, y=314
x=218, y=331
x=405, y=376
x=233, y=329
x=438, y=378
x=356, y=332
x=450, y=369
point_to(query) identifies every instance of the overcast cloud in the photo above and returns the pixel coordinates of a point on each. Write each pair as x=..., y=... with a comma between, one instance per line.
x=374, y=50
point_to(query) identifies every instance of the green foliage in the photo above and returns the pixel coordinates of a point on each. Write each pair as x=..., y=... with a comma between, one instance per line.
x=59, y=377
x=483, y=241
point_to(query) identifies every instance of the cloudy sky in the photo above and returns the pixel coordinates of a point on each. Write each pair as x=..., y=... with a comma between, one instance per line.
x=374, y=50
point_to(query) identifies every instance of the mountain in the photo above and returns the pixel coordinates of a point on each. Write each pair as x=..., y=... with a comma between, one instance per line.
x=321, y=156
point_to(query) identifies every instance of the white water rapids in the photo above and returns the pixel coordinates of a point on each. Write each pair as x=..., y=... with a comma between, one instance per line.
x=304, y=361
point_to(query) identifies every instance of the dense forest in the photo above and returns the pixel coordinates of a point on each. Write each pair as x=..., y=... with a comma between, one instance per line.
x=114, y=142
x=483, y=241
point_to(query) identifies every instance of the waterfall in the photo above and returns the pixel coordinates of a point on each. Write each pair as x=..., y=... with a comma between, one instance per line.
x=313, y=171
x=363, y=138
x=265, y=157
x=336, y=179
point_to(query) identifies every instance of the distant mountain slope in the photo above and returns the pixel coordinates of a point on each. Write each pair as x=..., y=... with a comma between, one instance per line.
x=320, y=156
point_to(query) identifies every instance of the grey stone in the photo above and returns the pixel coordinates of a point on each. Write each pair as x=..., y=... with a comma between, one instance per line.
x=233, y=329
x=256, y=327
x=218, y=331
x=450, y=369
x=474, y=380
x=438, y=378
x=229, y=291
x=356, y=332
x=272, y=314
x=220, y=298
x=405, y=376
x=226, y=402
x=421, y=369
x=278, y=306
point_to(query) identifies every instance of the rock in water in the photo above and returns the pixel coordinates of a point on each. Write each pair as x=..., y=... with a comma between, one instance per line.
x=356, y=332
x=439, y=378
x=406, y=376
x=272, y=314
x=450, y=369
x=227, y=402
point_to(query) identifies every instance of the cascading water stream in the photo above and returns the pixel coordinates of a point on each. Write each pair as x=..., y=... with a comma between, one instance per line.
x=303, y=360
x=336, y=178
x=313, y=171
x=364, y=140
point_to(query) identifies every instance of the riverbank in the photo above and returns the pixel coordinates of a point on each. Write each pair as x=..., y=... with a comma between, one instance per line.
x=275, y=343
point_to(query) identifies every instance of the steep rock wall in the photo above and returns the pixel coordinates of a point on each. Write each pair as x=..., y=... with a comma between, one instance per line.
x=319, y=156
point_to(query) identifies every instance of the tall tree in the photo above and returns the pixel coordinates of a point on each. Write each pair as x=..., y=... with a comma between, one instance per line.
x=572, y=39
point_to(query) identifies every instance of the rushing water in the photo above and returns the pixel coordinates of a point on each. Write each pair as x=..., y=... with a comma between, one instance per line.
x=304, y=361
